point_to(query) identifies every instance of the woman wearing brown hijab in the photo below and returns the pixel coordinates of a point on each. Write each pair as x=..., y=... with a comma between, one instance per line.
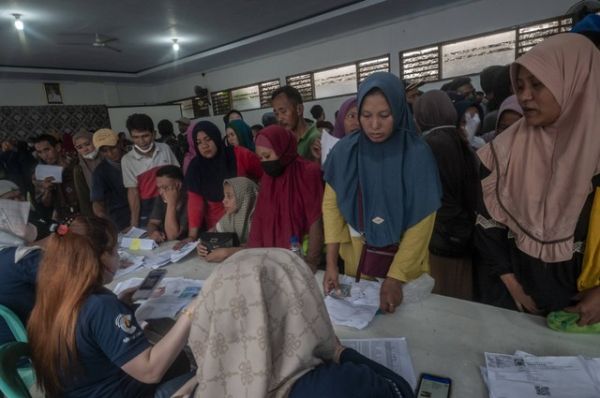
x=533, y=227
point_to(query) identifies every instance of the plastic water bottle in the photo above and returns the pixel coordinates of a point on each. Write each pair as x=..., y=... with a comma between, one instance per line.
x=295, y=246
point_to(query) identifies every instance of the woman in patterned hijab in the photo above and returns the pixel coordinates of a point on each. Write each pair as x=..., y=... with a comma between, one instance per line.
x=261, y=329
x=240, y=199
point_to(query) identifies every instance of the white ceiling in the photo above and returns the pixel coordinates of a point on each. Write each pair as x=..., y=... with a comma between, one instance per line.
x=211, y=33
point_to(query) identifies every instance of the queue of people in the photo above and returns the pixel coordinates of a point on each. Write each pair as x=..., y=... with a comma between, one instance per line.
x=507, y=217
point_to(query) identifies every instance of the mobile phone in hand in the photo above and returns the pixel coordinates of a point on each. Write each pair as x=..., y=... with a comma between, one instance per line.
x=149, y=284
x=431, y=386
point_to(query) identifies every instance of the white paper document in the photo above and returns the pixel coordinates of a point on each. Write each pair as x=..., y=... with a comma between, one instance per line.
x=391, y=353
x=178, y=293
x=177, y=255
x=357, y=310
x=128, y=263
x=158, y=260
x=528, y=376
x=138, y=244
x=327, y=143
x=134, y=232
x=43, y=171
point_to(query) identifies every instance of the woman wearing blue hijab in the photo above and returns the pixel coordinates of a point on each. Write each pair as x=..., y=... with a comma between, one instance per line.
x=383, y=188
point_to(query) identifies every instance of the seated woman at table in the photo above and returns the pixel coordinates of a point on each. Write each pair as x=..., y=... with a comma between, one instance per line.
x=289, y=201
x=169, y=217
x=239, y=133
x=204, y=179
x=251, y=338
x=84, y=341
x=239, y=201
x=383, y=184
x=537, y=230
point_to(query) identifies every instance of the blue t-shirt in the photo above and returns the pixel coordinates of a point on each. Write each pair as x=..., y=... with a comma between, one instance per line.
x=107, y=187
x=108, y=337
x=17, y=286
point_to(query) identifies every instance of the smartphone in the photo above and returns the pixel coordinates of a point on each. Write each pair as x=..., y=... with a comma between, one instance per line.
x=431, y=386
x=149, y=283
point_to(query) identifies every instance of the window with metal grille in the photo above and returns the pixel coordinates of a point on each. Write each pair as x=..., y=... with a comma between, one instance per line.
x=221, y=102
x=530, y=35
x=368, y=66
x=420, y=64
x=303, y=83
x=266, y=90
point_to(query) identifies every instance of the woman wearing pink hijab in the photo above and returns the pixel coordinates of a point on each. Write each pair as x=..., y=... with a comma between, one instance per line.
x=541, y=177
x=191, y=153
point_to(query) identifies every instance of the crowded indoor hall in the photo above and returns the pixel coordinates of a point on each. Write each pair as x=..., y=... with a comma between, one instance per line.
x=271, y=199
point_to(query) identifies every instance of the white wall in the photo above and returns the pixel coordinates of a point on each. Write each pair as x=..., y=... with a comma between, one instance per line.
x=447, y=24
x=414, y=31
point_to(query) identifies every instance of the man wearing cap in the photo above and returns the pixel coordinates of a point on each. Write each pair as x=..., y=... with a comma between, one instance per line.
x=108, y=194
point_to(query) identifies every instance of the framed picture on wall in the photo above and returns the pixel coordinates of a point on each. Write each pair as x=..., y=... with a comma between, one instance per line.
x=53, y=94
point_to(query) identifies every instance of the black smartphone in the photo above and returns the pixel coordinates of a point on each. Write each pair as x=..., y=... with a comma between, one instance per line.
x=431, y=386
x=149, y=283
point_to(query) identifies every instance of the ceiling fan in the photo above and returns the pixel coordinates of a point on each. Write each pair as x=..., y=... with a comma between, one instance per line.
x=100, y=41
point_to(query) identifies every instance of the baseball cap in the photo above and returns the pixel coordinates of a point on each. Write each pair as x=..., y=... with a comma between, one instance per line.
x=105, y=137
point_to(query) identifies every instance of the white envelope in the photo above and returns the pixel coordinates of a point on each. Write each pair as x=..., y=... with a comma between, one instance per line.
x=42, y=171
x=138, y=244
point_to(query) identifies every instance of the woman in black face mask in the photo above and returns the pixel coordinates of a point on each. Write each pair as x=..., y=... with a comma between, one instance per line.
x=289, y=201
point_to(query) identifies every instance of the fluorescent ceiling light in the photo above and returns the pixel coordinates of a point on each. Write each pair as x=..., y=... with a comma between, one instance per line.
x=18, y=23
x=175, y=45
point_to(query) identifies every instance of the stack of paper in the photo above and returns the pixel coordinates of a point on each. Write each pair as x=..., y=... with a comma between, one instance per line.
x=391, y=353
x=137, y=244
x=358, y=309
x=178, y=293
x=134, y=232
x=526, y=376
x=129, y=263
x=158, y=260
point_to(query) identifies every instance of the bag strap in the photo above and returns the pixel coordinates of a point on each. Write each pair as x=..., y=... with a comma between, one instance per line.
x=361, y=228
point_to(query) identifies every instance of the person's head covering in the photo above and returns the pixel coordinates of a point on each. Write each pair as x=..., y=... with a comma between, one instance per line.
x=191, y=152
x=183, y=120
x=105, y=137
x=338, y=129
x=290, y=204
x=487, y=77
x=259, y=324
x=243, y=132
x=509, y=104
x=14, y=229
x=540, y=177
x=591, y=23
x=87, y=165
x=398, y=178
x=245, y=191
x=434, y=109
x=205, y=176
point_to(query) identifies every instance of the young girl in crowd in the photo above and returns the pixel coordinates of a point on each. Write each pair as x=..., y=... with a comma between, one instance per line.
x=84, y=341
x=239, y=133
x=204, y=178
x=450, y=248
x=289, y=202
x=239, y=201
x=509, y=113
x=346, y=122
x=261, y=329
x=538, y=246
x=382, y=183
